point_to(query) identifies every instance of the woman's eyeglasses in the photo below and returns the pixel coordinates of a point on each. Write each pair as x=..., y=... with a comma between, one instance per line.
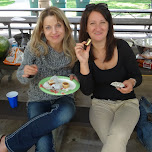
x=92, y=6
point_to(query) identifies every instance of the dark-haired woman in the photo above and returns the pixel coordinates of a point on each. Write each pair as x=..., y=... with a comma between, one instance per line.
x=114, y=111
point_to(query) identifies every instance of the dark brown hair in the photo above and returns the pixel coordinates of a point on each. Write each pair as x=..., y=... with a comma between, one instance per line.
x=83, y=35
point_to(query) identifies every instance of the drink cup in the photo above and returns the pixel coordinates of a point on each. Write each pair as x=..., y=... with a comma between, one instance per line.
x=12, y=98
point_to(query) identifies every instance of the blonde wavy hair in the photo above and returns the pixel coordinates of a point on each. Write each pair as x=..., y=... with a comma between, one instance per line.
x=36, y=41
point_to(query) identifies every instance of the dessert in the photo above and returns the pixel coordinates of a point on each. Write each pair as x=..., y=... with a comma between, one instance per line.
x=65, y=85
x=88, y=42
x=51, y=82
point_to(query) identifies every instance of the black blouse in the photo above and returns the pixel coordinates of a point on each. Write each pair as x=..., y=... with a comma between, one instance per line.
x=98, y=81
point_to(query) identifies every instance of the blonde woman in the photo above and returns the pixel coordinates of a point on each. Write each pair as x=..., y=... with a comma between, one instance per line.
x=49, y=52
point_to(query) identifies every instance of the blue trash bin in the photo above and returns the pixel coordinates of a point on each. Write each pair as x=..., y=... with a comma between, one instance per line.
x=81, y=4
x=59, y=3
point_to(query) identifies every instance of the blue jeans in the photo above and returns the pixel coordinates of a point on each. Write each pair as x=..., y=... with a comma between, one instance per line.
x=144, y=125
x=34, y=109
x=38, y=130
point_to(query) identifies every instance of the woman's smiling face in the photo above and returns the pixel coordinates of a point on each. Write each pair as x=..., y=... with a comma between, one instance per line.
x=54, y=31
x=97, y=26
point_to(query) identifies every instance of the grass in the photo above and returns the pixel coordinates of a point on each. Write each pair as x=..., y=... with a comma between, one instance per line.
x=6, y=2
x=128, y=4
x=112, y=4
x=117, y=4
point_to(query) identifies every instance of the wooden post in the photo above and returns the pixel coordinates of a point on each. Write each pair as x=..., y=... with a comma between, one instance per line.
x=43, y=3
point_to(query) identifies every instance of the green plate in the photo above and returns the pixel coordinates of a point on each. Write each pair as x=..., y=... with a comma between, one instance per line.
x=74, y=86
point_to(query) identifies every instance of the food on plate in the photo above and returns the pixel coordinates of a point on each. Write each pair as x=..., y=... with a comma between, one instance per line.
x=88, y=42
x=65, y=85
x=117, y=84
x=51, y=82
x=62, y=85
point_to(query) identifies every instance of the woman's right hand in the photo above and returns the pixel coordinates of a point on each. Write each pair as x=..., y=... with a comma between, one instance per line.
x=81, y=53
x=30, y=70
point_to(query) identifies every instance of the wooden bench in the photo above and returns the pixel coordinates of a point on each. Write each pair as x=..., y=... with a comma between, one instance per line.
x=81, y=118
x=20, y=113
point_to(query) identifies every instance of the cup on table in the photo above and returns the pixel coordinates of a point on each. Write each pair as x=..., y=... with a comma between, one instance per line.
x=12, y=98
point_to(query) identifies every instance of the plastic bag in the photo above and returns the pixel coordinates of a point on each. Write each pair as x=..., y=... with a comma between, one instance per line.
x=145, y=55
x=145, y=63
x=14, y=57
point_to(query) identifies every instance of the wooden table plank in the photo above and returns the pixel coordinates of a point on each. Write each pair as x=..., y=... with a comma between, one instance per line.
x=76, y=21
x=7, y=67
x=6, y=112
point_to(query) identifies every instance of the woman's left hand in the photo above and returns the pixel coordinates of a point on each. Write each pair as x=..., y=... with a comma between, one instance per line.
x=129, y=84
x=72, y=76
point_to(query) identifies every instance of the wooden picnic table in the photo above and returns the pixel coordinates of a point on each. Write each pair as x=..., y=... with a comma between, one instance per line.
x=132, y=21
x=13, y=67
x=7, y=21
x=75, y=21
x=7, y=67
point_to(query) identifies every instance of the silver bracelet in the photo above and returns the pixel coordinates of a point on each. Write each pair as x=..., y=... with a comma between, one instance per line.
x=134, y=81
x=71, y=74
